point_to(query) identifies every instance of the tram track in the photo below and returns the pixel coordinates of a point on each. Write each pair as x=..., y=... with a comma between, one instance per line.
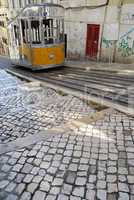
x=110, y=90
x=92, y=80
x=106, y=77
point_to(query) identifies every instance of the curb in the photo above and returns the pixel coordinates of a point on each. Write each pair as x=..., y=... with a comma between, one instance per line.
x=92, y=118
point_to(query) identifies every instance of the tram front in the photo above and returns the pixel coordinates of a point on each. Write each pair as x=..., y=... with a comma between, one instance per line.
x=40, y=36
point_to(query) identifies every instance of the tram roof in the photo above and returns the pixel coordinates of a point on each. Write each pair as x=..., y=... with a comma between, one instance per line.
x=42, y=5
x=27, y=7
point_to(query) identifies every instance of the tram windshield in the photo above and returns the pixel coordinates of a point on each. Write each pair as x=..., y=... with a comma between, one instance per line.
x=43, y=25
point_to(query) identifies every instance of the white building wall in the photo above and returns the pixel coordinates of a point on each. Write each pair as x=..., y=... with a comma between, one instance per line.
x=116, y=42
x=110, y=33
x=125, y=44
x=76, y=29
x=82, y=3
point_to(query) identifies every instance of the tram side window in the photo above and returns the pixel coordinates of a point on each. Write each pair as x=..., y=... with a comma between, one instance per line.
x=35, y=32
x=25, y=31
x=61, y=28
x=48, y=31
x=53, y=30
x=16, y=35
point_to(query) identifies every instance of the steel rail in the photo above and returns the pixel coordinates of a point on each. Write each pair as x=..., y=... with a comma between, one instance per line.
x=120, y=103
x=104, y=92
x=90, y=80
x=105, y=75
x=72, y=85
x=124, y=82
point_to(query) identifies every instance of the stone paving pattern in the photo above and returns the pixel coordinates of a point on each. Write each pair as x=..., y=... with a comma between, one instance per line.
x=94, y=162
x=26, y=110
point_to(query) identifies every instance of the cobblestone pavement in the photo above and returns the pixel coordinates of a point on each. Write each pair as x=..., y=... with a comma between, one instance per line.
x=94, y=162
x=26, y=109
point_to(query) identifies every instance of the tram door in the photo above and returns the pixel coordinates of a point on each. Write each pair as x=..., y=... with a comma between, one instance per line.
x=14, y=42
x=25, y=47
x=93, y=31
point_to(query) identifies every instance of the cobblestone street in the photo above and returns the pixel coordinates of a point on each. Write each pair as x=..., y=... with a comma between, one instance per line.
x=92, y=162
x=27, y=109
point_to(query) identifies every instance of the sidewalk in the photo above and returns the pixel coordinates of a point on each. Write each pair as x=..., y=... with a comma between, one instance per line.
x=113, y=67
x=92, y=161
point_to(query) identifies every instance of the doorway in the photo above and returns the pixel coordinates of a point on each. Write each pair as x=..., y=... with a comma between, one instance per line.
x=93, y=31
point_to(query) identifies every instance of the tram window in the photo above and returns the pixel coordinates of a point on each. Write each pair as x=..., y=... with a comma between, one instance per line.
x=20, y=4
x=25, y=31
x=16, y=34
x=35, y=32
x=53, y=31
x=13, y=4
x=2, y=23
x=4, y=40
x=48, y=31
x=61, y=29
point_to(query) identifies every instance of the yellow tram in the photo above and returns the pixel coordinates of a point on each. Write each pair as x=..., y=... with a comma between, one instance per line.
x=36, y=37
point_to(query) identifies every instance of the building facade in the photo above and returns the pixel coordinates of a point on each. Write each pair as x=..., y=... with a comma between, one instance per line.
x=97, y=30
x=100, y=29
x=3, y=27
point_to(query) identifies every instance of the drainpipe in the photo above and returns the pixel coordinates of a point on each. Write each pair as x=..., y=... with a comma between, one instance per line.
x=119, y=21
x=102, y=32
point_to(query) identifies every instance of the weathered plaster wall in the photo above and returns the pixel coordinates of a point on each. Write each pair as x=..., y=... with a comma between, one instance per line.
x=76, y=29
x=125, y=44
x=110, y=33
x=120, y=49
x=81, y=3
x=117, y=29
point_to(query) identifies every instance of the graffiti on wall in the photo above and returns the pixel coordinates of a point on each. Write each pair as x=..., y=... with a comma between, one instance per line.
x=107, y=43
x=126, y=44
